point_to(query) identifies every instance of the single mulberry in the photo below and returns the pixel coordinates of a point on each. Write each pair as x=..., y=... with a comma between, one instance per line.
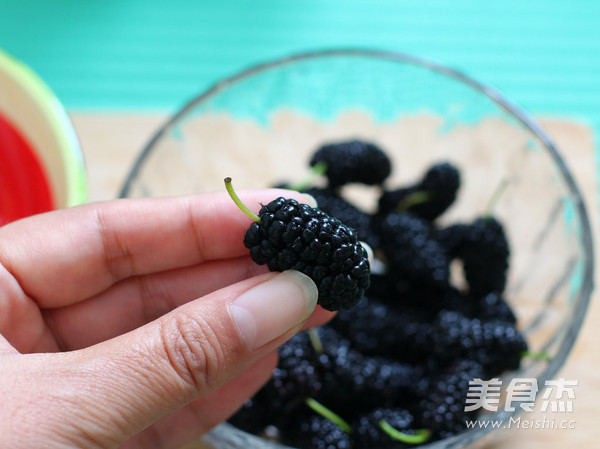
x=376, y=328
x=452, y=238
x=485, y=257
x=429, y=198
x=359, y=382
x=392, y=200
x=312, y=431
x=287, y=235
x=297, y=375
x=353, y=161
x=253, y=415
x=369, y=434
x=443, y=410
x=411, y=252
x=484, y=250
x=497, y=345
x=493, y=306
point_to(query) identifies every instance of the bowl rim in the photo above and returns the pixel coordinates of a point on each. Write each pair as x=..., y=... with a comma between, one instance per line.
x=504, y=103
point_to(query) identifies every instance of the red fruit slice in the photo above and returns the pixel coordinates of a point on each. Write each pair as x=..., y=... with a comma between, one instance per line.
x=24, y=187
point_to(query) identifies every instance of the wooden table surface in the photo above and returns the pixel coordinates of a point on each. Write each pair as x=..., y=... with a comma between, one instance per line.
x=111, y=142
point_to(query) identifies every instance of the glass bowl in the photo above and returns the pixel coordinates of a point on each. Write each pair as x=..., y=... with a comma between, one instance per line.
x=261, y=126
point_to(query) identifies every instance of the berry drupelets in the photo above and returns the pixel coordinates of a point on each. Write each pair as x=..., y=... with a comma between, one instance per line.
x=310, y=431
x=298, y=375
x=315, y=426
x=358, y=382
x=493, y=307
x=353, y=161
x=287, y=235
x=443, y=410
x=411, y=252
x=452, y=238
x=377, y=328
x=496, y=345
x=336, y=206
x=252, y=416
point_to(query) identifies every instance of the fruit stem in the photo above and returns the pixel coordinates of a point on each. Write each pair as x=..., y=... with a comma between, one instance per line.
x=328, y=414
x=542, y=355
x=420, y=435
x=238, y=202
x=495, y=198
x=317, y=170
x=315, y=340
x=415, y=198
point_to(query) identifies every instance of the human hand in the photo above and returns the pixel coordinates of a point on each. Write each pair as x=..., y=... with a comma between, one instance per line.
x=103, y=340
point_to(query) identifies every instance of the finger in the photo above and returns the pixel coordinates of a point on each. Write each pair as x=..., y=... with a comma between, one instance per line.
x=136, y=301
x=192, y=351
x=199, y=417
x=96, y=245
x=21, y=322
x=5, y=347
x=139, y=300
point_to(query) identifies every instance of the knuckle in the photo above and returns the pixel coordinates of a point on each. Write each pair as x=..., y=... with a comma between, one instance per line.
x=117, y=257
x=193, y=350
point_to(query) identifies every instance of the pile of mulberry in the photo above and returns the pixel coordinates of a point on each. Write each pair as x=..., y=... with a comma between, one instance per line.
x=393, y=368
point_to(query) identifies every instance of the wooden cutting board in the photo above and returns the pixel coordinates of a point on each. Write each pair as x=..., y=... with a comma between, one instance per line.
x=111, y=143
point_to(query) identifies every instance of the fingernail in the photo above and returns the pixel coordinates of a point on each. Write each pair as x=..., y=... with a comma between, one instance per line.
x=309, y=199
x=270, y=309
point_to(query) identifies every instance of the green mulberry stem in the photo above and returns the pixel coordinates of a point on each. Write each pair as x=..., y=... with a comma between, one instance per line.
x=542, y=355
x=495, y=198
x=418, y=197
x=317, y=170
x=420, y=436
x=328, y=414
x=238, y=202
x=315, y=340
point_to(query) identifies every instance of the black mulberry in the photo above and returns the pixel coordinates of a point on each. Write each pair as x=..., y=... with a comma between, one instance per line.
x=368, y=433
x=438, y=189
x=484, y=250
x=353, y=161
x=452, y=238
x=485, y=257
x=252, y=416
x=311, y=431
x=362, y=382
x=298, y=237
x=493, y=307
x=443, y=411
x=374, y=327
x=497, y=345
x=412, y=253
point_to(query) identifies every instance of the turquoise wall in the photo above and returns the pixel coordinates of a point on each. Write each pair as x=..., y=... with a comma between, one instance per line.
x=154, y=55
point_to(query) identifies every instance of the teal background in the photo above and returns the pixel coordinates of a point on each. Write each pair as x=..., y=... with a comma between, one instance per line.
x=155, y=55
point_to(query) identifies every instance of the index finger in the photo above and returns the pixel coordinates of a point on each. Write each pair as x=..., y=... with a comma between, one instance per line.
x=65, y=256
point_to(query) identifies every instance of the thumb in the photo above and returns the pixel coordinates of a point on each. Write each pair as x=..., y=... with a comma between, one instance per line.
x=195, y=349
